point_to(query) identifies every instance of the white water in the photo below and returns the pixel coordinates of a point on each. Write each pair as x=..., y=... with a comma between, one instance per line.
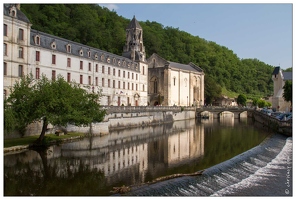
x=265, y=170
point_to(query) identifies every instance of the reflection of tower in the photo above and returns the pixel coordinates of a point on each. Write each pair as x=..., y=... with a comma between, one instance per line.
x=134, y=48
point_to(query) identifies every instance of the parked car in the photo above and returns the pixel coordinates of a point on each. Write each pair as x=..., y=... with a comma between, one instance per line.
x=274, y=114
x=284, y=116
x=267, y=111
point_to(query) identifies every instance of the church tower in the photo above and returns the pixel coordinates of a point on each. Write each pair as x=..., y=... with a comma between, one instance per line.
x=134, y=48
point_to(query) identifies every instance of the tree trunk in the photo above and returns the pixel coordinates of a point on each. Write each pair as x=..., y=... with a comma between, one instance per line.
x=44, y=128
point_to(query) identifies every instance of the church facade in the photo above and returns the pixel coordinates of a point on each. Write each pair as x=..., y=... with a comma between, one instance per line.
x=279, y=78
x=122, y=80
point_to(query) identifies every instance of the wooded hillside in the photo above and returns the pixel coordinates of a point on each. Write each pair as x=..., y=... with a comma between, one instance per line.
x=98, y=27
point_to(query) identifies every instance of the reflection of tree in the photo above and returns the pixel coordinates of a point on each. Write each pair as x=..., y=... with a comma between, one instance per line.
x=48, y=182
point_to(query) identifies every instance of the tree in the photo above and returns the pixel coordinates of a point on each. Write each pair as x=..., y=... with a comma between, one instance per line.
x=212, y=90
x=288, y=91
x=241, y=100
x=55, y=102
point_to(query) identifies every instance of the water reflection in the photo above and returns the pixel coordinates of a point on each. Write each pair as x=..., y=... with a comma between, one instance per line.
x=128, y=157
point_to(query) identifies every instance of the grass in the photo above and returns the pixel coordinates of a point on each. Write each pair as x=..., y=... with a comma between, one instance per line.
x=30, y=139
x=229, y=93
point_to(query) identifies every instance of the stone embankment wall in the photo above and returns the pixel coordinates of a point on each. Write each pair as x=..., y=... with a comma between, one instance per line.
x=121, y=117
x=282, y=127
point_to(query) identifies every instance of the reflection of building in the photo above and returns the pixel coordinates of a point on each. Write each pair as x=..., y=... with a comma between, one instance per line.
x=181, y=147
x=279, y=77
x=172, y=83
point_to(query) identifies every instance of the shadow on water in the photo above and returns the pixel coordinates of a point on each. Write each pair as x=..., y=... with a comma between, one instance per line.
x=94, y=165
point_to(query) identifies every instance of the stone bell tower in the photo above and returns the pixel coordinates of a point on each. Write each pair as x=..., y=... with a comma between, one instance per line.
x=134, y=48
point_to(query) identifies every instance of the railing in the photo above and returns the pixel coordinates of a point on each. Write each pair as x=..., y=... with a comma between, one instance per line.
x=134, y=109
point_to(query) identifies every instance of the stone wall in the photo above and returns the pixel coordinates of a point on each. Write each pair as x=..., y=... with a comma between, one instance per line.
x=122, y=117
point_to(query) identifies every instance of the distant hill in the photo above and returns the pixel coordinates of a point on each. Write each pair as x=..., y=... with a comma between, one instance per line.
x=98, y=27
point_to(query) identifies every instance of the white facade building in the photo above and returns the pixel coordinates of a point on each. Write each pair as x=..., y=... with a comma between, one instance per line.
x=122, y=80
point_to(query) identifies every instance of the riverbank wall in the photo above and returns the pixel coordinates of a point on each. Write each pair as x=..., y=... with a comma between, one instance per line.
x=273, y=124
x=121, y=117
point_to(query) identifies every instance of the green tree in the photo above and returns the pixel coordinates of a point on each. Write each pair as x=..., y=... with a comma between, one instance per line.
x=241, y=100
x=288, y=91
x=212, y=90
x=55, y=102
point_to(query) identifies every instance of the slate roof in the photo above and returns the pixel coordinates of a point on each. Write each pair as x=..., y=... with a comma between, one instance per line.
x=46, y=40
x=134, y=24
x=188, y=67
x=287, y=75
x=19, y=14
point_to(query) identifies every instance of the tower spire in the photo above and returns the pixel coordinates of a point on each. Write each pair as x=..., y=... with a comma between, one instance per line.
x=134, y=48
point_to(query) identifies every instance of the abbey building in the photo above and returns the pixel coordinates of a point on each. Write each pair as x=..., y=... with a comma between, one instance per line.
x=130, y=79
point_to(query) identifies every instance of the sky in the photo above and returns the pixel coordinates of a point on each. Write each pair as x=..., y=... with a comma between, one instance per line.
x=251, y=30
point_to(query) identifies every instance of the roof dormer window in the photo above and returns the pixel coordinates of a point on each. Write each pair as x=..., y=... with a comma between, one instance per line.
x=81, y=52
x=37, y=40
x=89, y=54
x=12, y=11
x=53, y=45
x=96, y=56
x=68, y=47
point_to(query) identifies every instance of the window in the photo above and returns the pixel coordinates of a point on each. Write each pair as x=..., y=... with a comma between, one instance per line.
x=68, y=48
x=103, y=69
x=97, y=83
x=174, y=81
x=5, y=69
x=118, y=73
x=89, y=67
x=53, y=59
x=89, y=54
x=143, y=88
x=128, y=75
x=37, y=73
x=113, y=83
x=103, y=82
x=68, y=62
x=81, y=64
x=108, y=82
x=132, y=86
x=143, y=70
x=5, y=49
x=118, y=84
x=81, y=79
x=37, y=55
x=123, y=74
x=132, y=75
x=97, y=68
x=128, y=87
x=37, y=40
x=53, y=75
x=89, y=80
x=20, y=71
x=155, y=86
x=123, y=85
x=68, y=77
x=108, y=70
x=5, y=30
x=136, y=76
x=113, y=71
x=136, y=87
x=21, y=52
x=21, y=34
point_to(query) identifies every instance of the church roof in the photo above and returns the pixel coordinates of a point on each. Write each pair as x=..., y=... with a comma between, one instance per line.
x=286, y=75
x=188, y=67
x=134, y=24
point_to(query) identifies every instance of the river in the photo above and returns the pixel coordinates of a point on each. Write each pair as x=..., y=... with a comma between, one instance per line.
x=234, y=154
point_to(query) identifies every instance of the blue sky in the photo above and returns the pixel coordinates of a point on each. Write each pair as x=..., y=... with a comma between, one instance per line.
x=262, y=31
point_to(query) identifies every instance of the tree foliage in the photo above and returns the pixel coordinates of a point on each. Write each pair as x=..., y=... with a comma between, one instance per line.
x=288, y=91
x=53, y=101
x=98, y=27
x=241, y=100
